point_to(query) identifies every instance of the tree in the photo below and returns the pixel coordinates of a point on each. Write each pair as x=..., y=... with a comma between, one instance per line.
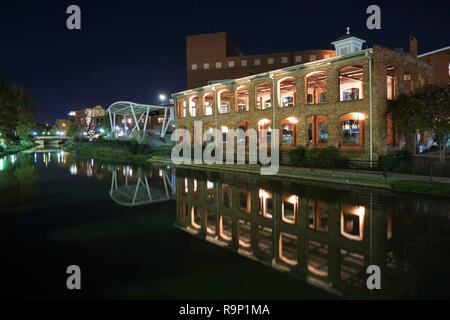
x=17, y=111
x=428, y=108
x=73, y=130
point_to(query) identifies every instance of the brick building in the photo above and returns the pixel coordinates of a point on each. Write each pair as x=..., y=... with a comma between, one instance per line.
x=88, y=118
x=214, y=57
x=440, y=60
x=338, y=101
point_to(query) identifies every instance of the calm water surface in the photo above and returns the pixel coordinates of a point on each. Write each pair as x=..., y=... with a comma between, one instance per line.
x=156, y=232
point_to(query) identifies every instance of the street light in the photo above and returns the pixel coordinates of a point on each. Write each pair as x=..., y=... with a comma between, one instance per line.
x=162, y=97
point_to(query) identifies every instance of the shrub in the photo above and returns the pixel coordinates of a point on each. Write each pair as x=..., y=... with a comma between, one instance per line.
x=297, y=156
x=325, y=158
x=399, y=160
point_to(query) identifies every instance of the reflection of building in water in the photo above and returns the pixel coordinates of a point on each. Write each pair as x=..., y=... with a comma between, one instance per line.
x=328, y=243
x=141, y=186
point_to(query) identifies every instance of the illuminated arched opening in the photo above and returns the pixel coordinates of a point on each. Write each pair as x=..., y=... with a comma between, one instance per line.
x=351, y=127
x=289, y=130
x=224, y=101
x=208, y=100
x=351, y=83
x=241, y=99
x=316, y=87
x=263, y=92
x=287, y=92
x=317, y=131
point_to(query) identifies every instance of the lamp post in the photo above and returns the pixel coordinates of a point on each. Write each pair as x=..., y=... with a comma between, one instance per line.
x=162, y=97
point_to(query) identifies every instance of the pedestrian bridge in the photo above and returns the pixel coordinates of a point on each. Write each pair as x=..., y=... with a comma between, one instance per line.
x=138, y=113
x=143, y=191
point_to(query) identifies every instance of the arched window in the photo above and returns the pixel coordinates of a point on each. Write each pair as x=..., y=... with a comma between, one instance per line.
x=225, y=128
x=352, y=130
x=265, y=124
x=196, y=218
x=287, y=88
x=244, y=126
x=182, y=108
x=241, y=99
x=288, y=128
x=390, y=83
x=352, y=222
x=317, y=257
x=224, y=101
x=351, y=83
x=318, y=215
x=289, y=208
x=209, y=133
x=208, y=100
x=263, y=93
x=317, y=131
x=316, y=87
x=225, y=228
x=193, y=106
x=288, y=248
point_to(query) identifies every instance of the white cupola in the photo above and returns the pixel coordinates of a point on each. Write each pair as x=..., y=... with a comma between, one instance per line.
x=347, y=44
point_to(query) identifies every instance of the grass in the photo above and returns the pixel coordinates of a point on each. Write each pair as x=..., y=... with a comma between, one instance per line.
x=432, y=188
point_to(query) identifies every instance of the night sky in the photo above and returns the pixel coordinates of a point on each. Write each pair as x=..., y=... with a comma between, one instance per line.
x=134, y=50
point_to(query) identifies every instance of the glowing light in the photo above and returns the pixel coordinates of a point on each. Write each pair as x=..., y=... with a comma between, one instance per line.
x=13, y=159
x=292, y=199
x=358, y=115
x=263, y=193
x=162, y=97
x=129, y=121
x=1, y=164
x=292, y=119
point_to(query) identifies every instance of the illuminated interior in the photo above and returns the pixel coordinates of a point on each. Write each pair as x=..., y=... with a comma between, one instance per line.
x=208, y=100
x=352, y=222
x=224, y=101
x=263, y=93
x=317, y=131
x=352, y=129
x=241, y=99
x=289, y=209
x=287, y=94
x=316, y=87
x=351, y=83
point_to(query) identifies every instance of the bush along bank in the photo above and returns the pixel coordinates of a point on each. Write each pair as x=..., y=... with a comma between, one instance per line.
x=15, y=148
x=318, y=157
x=121, y=150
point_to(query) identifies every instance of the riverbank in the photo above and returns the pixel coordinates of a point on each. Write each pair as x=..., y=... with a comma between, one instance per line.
x=360, y=179
x=13, y=149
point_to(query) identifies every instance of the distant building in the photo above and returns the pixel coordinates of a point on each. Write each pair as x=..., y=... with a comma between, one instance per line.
x=88, y=118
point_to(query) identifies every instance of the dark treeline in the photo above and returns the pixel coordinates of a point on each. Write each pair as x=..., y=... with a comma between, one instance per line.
x=17, y=112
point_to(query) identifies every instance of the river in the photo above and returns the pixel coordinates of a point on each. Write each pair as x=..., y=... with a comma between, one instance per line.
x=156, y=232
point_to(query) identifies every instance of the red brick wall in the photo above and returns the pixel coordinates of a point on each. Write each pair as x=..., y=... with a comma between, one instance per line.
x=218, y=47
x=439, y=61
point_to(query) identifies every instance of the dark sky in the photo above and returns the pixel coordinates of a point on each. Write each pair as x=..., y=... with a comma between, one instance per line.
x=134, y=50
